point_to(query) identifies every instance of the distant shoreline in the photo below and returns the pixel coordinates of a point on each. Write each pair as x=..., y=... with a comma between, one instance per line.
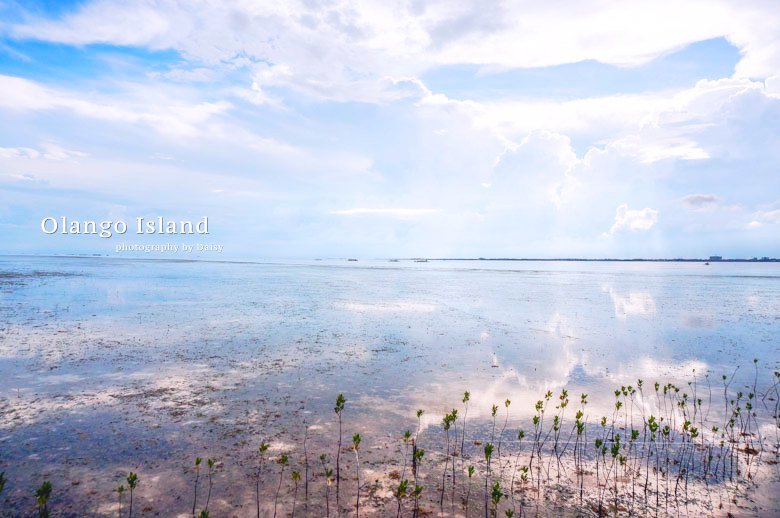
x=415, y=259
x=636, y=260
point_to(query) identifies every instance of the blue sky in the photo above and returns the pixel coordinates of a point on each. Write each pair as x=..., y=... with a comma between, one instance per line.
x=410, y=128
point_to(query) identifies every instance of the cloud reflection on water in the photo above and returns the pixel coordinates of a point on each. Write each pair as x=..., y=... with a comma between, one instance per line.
x=635, y=303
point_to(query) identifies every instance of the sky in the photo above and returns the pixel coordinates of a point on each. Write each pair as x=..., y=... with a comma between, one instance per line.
x=396, y=128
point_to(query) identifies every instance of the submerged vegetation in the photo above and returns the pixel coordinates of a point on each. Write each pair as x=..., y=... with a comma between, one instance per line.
x=661, y=448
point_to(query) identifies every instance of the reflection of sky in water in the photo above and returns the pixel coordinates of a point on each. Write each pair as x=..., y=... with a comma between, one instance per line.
x=636, y=303
x=400, y=334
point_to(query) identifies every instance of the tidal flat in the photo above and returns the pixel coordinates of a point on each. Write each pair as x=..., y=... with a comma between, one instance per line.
x=111, y=366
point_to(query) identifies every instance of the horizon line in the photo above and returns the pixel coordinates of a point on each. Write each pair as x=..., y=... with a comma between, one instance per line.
x=711, y=259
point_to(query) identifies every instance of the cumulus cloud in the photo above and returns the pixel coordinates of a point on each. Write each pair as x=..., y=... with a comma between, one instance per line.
x=633, y=220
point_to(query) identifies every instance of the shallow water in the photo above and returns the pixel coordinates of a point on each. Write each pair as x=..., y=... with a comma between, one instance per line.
x=110, y=364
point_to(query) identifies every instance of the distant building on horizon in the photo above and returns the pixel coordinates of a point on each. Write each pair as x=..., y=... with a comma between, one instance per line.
x=716, y=258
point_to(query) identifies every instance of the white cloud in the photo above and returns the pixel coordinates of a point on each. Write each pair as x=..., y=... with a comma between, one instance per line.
x=633, y=220
x=772, y=216
x=343, y=50
x=148, y=23
x=389, y=212
x=18, y=152
x=56, y=152
x=170, y=117
x=515, y=174
x=652, y=127
x=199, y=74
x=50, y=151
x=650, y=150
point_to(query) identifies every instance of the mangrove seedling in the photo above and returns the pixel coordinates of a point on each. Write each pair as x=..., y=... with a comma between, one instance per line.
x=506, y=420
x=296, y=478
x=210, y=463
x=418, y=489
x=488, y=455
x=42, y=496
x=407, y=435
x=356, y=447
x=470, y=472
x=132, y=482
x=283, y=460
x=466, y=397
x=120, y=491
x=305, y=466
x=328, y=472
x=400, y=494
x=493, y=413
x=417, y=457
x=446, y=423
x=454, y=418
x=340, y=402
x=420, y=412
x=197, y=477
x=261, y=450
x=520, y=437
x=496, y=494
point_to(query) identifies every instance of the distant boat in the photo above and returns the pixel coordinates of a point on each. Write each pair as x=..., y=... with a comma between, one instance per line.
x=392, y=260
x=707, y=264
x=421, y=260
x=352, y=260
